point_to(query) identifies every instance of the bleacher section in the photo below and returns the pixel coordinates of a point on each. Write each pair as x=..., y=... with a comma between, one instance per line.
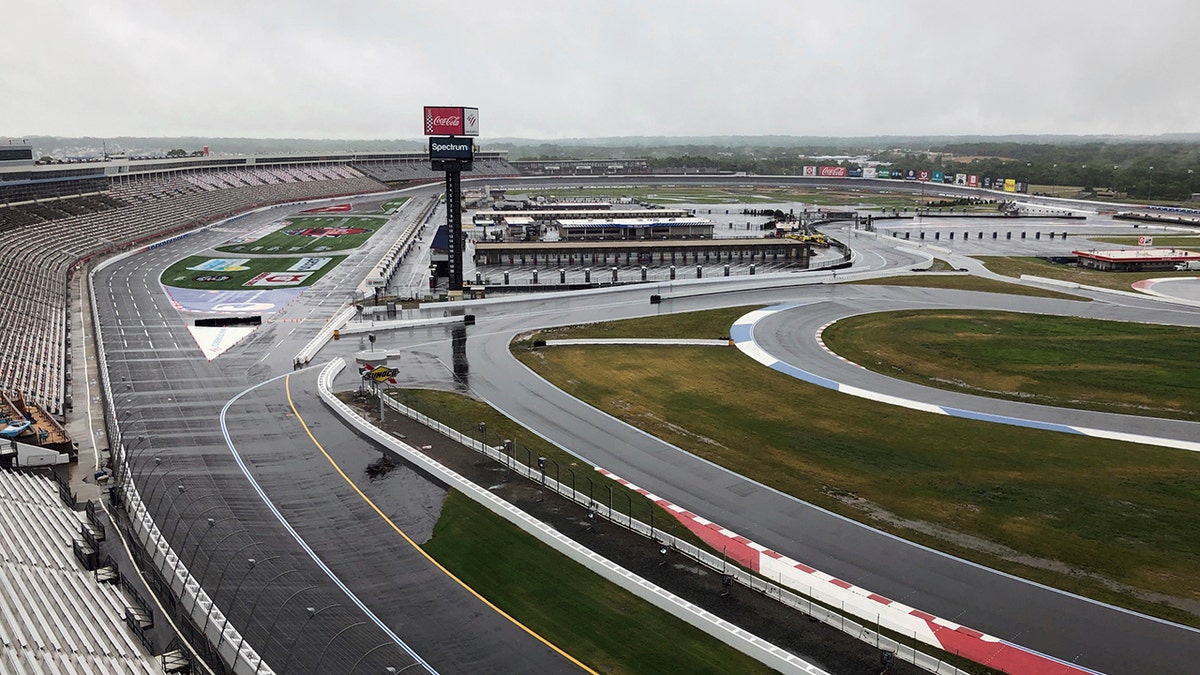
x=55, y=617
x=37, y=257
x=403, y=172
x=53, y=209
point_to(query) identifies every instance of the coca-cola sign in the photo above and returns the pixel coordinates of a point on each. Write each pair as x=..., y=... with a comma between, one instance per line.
x=836, y=171
x=448, y=121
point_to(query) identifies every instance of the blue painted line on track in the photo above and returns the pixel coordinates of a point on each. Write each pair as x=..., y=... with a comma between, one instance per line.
x=742, y=332
x=1011, y=421
x=789, y=369
x=296, y=535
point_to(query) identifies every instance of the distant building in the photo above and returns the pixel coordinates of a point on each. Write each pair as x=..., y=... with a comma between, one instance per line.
x=633, y=229
x=1137, y=259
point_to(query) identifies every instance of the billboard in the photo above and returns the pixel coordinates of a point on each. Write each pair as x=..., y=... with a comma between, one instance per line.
x=972, y=181
x=960, y=179
x=1010, y=185
x=810, y=171
x=450, y=148
x=1022, y=186
x=897, y=174
x=923, y=174
x=855, y=173
x=938, y=177
x=872, y=172
x=987, y=182
x=834, y=171
x=449, y=121
x=910, y=175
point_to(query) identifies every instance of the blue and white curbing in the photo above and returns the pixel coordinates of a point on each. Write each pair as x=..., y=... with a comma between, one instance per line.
x=742, y=334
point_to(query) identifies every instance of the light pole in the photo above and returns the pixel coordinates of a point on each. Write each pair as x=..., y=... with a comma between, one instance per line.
x=271, y=630
x=221, y=580
x=208, y=561
x=1150, y=184
x=254, y=605
x=336, y=635
x=192, y=503
x=312, y=613
x=236, y=592
x=371, y=651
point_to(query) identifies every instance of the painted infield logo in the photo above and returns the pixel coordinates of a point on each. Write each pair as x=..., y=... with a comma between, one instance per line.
x=326, y=231
x=211, y=278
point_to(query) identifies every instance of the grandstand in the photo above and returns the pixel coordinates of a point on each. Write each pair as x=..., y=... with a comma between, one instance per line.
x=54, y=218
x=55, y=616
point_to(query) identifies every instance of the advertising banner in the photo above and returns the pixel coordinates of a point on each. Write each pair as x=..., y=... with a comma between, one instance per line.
x=960, y=179
x=810, y=171
x=896, y=173
x=987, y=182
x=1145, y=241
x=871, y=172
x=910, y=175
x=1022, y=187
x=937, y=177
x=222, y=265
x=1010, y=185
x=834, y=171
x=451, y=148
x=923, y=174
x=854, y=173
x=451, y=121
x=972, y=181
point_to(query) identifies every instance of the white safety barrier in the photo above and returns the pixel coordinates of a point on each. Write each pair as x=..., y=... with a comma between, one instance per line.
x=732, y=635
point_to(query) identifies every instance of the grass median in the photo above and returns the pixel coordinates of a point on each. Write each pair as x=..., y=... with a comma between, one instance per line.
x=597, y=622
x=1109, y=366
x=1115, y=521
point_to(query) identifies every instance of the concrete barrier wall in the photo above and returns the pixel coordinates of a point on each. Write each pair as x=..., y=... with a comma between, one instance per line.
x=741, y=640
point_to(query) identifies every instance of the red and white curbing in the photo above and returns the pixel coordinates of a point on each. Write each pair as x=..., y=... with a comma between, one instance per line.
x=931, y=630
x=821, y=343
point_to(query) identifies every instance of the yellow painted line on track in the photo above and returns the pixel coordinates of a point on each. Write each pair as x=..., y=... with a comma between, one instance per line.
x=287, y=386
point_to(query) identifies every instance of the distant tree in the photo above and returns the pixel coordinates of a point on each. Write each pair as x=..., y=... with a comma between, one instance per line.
x=177, y=152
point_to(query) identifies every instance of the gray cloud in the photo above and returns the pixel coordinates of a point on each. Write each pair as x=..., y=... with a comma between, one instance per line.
x=563, y=69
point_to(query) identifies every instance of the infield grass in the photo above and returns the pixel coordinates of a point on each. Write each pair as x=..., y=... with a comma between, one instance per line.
x=180, y=276
x=1109, y=366
x=968, y=283
x=602, y=625
x=281, y=242
x=1110, y=520
x=464, y=414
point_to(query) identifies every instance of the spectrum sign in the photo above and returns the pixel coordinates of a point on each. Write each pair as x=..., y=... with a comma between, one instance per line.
x=448, y=121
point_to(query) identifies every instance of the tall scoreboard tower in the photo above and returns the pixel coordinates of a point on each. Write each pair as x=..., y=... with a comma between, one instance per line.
x=451, y=132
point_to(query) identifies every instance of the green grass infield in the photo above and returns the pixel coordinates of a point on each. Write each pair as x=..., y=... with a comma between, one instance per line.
x=602, y=625
x=1110, y=520
x=245, y=274
x=309, y=234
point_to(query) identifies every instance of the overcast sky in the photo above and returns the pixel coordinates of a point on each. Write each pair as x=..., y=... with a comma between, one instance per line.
x=559, y=69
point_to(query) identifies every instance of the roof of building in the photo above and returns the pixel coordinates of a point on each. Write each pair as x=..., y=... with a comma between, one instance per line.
x=584, y=223
x=1141, y=255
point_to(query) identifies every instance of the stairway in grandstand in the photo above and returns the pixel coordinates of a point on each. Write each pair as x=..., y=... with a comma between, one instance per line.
x=55, y=615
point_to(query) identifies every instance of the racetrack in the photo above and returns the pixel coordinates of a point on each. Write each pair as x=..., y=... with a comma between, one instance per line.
x=178, y=398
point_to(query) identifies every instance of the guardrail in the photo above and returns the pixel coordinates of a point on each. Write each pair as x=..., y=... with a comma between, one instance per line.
x=527, y=469
x=732, y=635
x=162, y=568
